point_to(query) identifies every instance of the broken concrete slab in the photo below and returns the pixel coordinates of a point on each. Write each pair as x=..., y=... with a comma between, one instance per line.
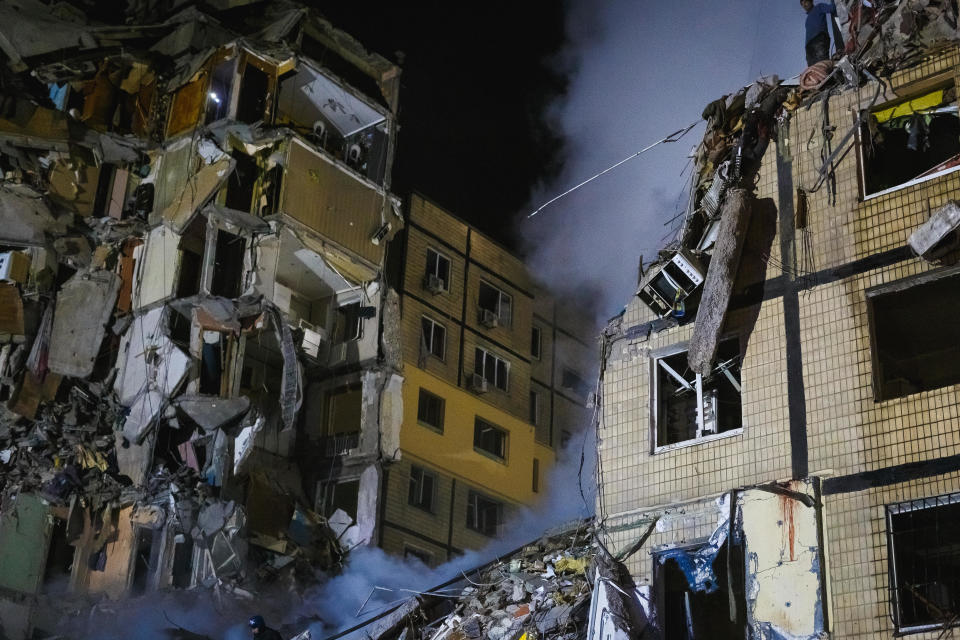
x=149, y=359
x=211, y=412
x=939, y=234
x=83, y=308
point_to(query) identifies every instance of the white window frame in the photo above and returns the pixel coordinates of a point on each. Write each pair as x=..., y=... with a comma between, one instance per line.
x=434, y=268
x=483, y=368
x=420, y=492
x=656, y=361
x=504, y=321
x=504, y=439
x=443, y=409
x=427, y=341
x=472, y=506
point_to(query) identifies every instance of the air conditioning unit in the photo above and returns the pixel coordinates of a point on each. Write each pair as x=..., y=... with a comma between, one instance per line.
x=478, y=384
x=669, y=283
x=488, y=318
x=314, y=339
x=433, y=284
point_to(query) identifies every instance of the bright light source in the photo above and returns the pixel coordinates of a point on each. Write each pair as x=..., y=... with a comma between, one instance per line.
x=215, y=97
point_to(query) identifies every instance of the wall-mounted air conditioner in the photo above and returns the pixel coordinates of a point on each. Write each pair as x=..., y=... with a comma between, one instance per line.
x=314, y=339
x=478, y=384
x=488, y=318
x=667, y=285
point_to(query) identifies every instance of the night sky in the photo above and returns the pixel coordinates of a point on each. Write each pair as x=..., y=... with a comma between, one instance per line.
x=477, y=81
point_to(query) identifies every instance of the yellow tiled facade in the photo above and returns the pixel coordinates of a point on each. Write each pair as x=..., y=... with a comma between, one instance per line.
x=867, y=454
x=460, y=471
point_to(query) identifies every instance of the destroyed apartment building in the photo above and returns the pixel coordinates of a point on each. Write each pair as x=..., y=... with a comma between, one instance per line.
x=194, y=215
x=778, y=439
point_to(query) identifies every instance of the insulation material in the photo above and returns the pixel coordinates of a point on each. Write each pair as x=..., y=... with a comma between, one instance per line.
x=391, y=416
x=157, y=268
x=784, y=581
x=149, y=359
x=291, y=383
x=718, y=286
x=84, y=307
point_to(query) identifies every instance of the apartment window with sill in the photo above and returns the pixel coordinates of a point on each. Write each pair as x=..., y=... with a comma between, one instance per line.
x=422, y=486
x=535, y=342
x=433, y=337
x=493, y=369
x=910, y=140
x=676, y=392
x=496, y=307
x=417, y=554
x=914, y=334
x=483, y=514
x=437, y=276
x=489, y=439
x=430, y=409
x=923, y=546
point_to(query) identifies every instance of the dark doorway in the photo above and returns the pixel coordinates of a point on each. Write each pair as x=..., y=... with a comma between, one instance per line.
x=227, y=265
x=252, y=100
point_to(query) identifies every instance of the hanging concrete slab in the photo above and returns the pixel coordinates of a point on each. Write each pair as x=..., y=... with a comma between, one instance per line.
x=84, y=306
x=157, y=267
x=143, y=412
x=241, y=219
x=213, y=412
x=938, y=235
x=718, y=285
x=135, y=460
x=25, y=218
x=149, y=359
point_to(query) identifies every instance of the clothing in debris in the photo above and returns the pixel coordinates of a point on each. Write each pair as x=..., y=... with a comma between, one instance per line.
x=817, y=34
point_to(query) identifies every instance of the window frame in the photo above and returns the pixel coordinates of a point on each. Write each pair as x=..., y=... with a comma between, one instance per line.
x=419, y=490
x=503, y=440
x=944, y=81
x=501, y=320
x=496, y=369
x=534, y=407
x=343, y=317
x=424, y=556
x=897, y=286
x=890, y=510
x=430, y=351
x=473, y=509
x=655, y=358
x=443, y=409
x=536, y=340
x=434, y=270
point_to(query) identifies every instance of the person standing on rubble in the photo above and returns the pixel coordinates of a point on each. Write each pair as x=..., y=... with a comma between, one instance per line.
x=818, y=38
x=261, y=631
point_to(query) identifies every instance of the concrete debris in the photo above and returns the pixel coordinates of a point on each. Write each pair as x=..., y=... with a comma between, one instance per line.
x=938, y=235
x=169, y=285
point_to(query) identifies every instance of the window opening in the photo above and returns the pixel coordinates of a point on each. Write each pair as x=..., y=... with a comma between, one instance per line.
x=227, y=265
x=349, y=323
x=430, y=409
x=241, y=182
x=489, y=438
x=535, y=342
x=534, y=408
x=252, y=101
x=910, y=140
x=422, y=485
x=433, y=337
x=340, y=495
x=220, y=92
x=417, y=554
x=437, y=276
x=146, y=558
x=491, y=368
x=536, y=475
x=924, y=556
x=495, y=306
x=915, y=336
x=59, y=565
x=483, y=514
x=679, y=390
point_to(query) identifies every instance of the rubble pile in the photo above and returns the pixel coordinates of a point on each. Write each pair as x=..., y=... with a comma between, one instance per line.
x=541, y=591
x=193, y=219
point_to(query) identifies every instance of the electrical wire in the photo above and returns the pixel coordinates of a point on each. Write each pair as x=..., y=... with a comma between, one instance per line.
x=673, y=137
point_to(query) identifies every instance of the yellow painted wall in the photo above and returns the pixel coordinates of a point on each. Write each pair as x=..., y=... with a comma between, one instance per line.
x=452, y=451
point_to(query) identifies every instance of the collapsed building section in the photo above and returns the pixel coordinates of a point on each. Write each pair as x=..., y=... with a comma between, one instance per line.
x=779, y=399
x=195, y=213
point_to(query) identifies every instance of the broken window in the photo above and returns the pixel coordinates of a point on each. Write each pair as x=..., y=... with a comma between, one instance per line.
x=484, y=515
x=344, y=410
x=678, y=391
x=349, y=323
x=430, y=408
x=433, y=337
x=437, y=276
x=570, y=379
x=495, y=306
x=340, y=495
x=228, y=265
x=914, y=334
x=910, y=140
x=535, y=342
x=491, y=368
x=924, y=549
x=220, y=91
x=694, y=603
x=422, y=485
x=489, y=438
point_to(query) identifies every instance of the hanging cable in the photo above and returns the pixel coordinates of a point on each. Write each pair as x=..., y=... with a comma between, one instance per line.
x=673, y=137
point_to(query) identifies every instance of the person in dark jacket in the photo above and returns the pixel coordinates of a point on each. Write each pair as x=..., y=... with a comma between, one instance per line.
x=817, y=35
x=261, y=631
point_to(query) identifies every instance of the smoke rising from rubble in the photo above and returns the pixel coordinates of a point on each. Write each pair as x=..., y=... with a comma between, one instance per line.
x=639, y=72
